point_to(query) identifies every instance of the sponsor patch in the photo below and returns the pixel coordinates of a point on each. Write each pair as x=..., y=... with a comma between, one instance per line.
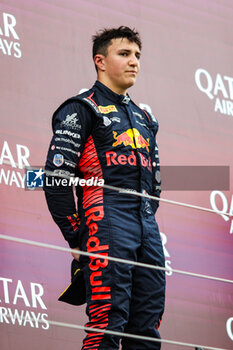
x=71, y=122
x=62, y=139
x=91, y=102
x=106, y=121
x=157, y=176
x=68, y=133
x=115, y=119
x=142, y=124
x=107, y=109
x=138, y=115
x=126, y=100
x=58, y=159
x=62, y=172
x=66, y=149
x=129, y=137
x=70, y=163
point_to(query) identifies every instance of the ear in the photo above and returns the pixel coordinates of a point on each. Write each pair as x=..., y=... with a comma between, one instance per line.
x=100, y=62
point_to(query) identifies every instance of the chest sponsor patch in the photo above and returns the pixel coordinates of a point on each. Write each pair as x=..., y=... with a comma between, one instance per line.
x=107, y=109
x=131, y=137
x=106, y=121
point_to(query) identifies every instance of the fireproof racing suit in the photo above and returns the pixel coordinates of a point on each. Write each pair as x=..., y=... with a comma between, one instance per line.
x=100, y=134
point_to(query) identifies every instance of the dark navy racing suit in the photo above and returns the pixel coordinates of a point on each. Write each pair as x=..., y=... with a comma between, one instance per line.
x=100, y=134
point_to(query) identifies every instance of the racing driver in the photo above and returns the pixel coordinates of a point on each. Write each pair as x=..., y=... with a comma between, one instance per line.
x=103, y=134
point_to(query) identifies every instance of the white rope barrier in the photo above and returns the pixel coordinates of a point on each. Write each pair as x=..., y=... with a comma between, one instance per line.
x=99, y=256
x=122, y=190
x=143, y=195
x=133, y=336
x=120, y=334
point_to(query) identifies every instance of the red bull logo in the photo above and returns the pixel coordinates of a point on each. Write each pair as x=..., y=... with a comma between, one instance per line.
x=121, y=159
x=131, y=137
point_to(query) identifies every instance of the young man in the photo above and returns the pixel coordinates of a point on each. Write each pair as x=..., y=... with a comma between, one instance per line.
x=102, y=133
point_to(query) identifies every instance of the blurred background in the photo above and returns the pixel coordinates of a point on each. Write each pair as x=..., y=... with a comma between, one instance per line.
x=186, y=80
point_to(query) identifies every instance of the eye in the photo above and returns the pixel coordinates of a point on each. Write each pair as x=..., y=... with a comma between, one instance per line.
x=123, y=54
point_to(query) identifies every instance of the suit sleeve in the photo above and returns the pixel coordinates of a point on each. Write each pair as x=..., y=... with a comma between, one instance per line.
x=156, y=186
x=72, y=125
x=157, y=179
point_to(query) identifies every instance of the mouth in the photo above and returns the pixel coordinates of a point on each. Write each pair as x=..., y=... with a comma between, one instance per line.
x=131, y=71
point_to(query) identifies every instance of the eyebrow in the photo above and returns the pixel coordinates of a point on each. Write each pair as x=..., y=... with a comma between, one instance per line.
x=128, y=51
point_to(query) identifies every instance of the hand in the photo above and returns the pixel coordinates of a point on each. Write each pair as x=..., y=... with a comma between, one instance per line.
x=76, y=255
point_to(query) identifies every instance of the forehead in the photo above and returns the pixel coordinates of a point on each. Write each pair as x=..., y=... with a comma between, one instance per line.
x=123, y=43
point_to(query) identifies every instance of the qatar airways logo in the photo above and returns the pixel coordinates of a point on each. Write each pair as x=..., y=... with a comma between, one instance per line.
x=13, y=159
x=229, y=328
x=9, y=38
x=218, y=88
x=222, y=206
x=167, y=255
x=22, y=304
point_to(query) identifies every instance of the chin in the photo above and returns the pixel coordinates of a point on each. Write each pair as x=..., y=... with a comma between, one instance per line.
x=130, y=83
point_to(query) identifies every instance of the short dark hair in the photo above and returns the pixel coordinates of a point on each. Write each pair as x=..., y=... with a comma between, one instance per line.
x=102, y=39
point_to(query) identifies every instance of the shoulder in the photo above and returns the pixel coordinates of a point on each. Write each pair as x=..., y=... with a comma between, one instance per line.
x=75, y=106
x=152, y=121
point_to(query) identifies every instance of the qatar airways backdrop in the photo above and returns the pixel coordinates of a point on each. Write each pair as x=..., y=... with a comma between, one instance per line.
x=187, y=81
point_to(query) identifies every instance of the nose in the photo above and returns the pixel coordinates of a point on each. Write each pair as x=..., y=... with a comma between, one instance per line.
x=134, y=61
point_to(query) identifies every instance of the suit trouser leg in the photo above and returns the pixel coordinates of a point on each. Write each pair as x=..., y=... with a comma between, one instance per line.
x=148, y=296
x=108, y=283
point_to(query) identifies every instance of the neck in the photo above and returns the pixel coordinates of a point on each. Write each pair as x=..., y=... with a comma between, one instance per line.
x=116, y=89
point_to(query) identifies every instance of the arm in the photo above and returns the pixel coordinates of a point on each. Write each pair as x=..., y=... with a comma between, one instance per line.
x=156, y=177
x=156, y=185
x=71, y=127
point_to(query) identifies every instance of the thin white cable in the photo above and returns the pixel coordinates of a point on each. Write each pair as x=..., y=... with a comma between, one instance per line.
x=124, y=261
x=133, y=336
x=119, y=334
x=143, y=195
x=122, y=190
